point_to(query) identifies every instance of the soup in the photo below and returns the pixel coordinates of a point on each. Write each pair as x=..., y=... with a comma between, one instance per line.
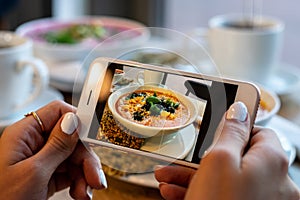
x=152, y=108
x=262, y=110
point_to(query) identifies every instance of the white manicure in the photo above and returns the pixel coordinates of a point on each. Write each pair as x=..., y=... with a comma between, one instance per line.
x=237, y=111
x=69, y=123
x=102, y=178
x=89, y=192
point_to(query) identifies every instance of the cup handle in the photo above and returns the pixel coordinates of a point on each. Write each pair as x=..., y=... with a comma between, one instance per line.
x=139, y=78
x=40, y=78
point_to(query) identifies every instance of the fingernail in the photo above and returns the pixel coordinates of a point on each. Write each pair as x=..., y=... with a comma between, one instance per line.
x=102, y=178
x=69, y=123
x=237, y=111
x=89, y=192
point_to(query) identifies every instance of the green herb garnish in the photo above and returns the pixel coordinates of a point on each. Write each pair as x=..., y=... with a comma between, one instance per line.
x=75, y=34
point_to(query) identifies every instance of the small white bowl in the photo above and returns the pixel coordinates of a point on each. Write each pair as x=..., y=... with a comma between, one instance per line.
x=271, y=103
x=147, y=131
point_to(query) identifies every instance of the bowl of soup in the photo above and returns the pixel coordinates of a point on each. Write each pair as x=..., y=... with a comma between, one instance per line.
x=268, y=107
x=150, y=110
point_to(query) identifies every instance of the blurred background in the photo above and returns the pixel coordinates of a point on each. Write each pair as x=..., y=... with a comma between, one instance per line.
x=175, y=14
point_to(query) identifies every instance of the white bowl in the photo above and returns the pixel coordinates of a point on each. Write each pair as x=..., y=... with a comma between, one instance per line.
x=132, y=33
x=147, y=131
x=271, y=102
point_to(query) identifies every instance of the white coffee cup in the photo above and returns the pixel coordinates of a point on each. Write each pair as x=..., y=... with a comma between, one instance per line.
x=148, y=77
x=119, y=74
x=22, y=77
x=248, y=50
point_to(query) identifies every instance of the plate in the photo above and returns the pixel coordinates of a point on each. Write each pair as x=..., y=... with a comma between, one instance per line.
x=289, y=135
x=285, y=80
x=63, y=74
x=270, y=105
x=179, y=146
x=64, y=71
x=176, y=145
x=279, y=124
x=108, y=31
x=46, y=97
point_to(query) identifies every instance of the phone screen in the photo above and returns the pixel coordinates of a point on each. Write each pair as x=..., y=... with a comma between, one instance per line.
x=146, y=97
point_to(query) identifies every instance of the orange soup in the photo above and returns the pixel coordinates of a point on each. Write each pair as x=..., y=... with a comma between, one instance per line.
x=152, y=108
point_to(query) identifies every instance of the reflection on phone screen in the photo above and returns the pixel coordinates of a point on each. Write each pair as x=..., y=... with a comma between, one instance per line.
x=185, y=112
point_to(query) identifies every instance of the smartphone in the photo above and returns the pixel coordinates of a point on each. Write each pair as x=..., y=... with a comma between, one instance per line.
x=133, y=113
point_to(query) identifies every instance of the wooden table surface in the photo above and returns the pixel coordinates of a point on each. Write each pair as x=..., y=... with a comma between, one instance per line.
x=122, y=190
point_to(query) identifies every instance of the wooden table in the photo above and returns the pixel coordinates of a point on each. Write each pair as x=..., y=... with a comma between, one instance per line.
x=122, y=190
x=117, y=189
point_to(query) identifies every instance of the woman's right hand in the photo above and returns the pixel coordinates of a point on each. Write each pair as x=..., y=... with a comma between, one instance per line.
x=236, y=166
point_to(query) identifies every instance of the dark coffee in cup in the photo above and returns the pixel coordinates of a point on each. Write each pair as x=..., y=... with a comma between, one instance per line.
x=248, y=25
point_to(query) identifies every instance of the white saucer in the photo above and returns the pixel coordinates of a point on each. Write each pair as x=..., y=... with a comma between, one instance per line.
x=64, y=71
x=46, y=97
x=178, y=146
x=289, y=136
x=285, y=80
x=64, y=74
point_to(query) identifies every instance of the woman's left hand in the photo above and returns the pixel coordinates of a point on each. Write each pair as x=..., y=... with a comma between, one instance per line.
x=34, y=164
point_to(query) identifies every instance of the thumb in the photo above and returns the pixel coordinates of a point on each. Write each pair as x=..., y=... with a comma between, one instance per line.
x=233, y=132
x=60, y=144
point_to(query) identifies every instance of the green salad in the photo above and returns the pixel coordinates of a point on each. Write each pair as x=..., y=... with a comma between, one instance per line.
x=75, y=34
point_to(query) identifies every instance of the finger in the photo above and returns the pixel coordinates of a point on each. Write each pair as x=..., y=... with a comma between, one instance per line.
x=51, y=113
x=174, y=174
x=49, y=116
x=232, y=134
x=171, y=191
x=60, y=145
x=266, y=149
x=294, y=189
x=30, y=138
x=58, y=181
x=91, y=165
x=79, y=189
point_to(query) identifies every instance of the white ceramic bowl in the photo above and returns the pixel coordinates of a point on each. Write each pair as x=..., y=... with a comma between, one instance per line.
x=147, y=131
x=271, y=103
x=133, y=33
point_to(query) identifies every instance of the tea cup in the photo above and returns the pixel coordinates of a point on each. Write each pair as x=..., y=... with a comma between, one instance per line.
x=22, y=76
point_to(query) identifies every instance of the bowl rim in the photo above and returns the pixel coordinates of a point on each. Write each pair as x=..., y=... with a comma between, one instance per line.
x=274, y=109
x=191, y=119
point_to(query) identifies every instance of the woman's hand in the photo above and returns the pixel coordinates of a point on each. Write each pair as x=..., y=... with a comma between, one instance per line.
x=36, y=164
x=173, y=181
x=234, y=167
